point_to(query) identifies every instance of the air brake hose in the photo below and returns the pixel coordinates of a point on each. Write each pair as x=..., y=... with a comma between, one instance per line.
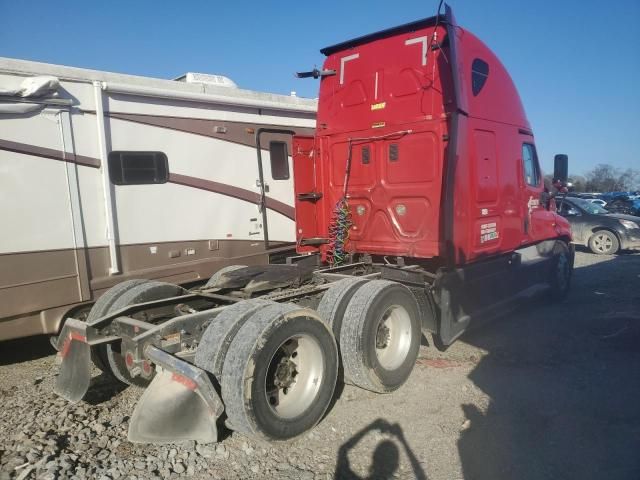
x=340, y=222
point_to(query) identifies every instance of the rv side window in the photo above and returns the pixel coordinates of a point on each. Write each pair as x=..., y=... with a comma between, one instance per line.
x=479, y=75
x=530, y=165
x=138, y=168
x=279, y=160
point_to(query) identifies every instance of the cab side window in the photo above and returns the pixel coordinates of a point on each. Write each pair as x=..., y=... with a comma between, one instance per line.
x=530, y=165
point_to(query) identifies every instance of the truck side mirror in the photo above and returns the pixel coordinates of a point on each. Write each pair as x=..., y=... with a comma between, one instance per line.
x=561, y=168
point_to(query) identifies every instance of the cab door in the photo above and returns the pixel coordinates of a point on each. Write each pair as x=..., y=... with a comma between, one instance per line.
x=538, y=223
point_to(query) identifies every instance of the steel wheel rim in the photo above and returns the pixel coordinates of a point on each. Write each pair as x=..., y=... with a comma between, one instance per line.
x=393, y=337
x=294, y=376
x=603, y=243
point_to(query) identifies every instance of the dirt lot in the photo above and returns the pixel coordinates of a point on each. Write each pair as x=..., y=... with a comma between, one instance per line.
x=552, y=391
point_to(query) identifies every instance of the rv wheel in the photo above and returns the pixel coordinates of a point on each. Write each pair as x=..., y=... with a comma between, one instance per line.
x=101, y=308
x=218, y=275
x=218, y=336
x=335, y=300
x=144, y=292
x=380, y=336
x=280, y=372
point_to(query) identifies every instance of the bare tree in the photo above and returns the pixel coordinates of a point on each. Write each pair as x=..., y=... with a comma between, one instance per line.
x=607, y=178
x=579, y=183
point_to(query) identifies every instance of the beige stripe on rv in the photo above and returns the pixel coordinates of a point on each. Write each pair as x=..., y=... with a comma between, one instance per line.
x=185, y=180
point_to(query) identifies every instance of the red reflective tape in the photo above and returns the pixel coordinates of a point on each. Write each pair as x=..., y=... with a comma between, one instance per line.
x=146, y=366
x=65, y=347
x=64, y=351
x=78, y=336
x=187, y=382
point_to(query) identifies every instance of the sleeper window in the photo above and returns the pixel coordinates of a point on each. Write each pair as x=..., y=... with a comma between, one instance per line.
x=530, y=165
x=479, y=75
x=138, y=168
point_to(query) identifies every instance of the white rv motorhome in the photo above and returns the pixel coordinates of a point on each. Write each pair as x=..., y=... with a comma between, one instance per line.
x=106, y=177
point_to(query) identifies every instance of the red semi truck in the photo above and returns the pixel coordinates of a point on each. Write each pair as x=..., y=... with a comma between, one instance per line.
x=420, y=206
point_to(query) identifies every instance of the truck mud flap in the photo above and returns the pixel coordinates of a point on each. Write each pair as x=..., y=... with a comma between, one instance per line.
x=75, y=355
x=180, y=404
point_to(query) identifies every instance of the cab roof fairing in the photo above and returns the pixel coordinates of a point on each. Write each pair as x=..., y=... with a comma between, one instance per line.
x=499, y=99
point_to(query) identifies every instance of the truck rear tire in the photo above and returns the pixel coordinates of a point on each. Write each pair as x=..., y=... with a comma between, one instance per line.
x=603, y=242
x=100, y=309
x=217, y=338
x=380, y=336
x=335, y=300
x=218, y=275
x=140, y=293
x=280, y=373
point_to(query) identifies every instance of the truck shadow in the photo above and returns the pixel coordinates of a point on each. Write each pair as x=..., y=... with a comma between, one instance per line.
x=385, y=459
x=563, y=381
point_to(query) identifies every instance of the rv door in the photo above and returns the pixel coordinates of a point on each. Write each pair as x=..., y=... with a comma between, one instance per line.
x=278, y=149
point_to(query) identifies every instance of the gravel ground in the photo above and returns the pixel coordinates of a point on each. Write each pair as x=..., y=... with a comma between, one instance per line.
x=549, y=392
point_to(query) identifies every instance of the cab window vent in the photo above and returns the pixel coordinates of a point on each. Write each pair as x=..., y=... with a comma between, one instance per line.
x=479, y=75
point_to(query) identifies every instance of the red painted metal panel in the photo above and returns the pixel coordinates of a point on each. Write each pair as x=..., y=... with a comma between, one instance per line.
x=384, y=123
x=305, y=183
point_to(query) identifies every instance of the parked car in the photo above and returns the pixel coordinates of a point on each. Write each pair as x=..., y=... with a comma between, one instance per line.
x=597, y=201
x=625, y=205
x=597, y=228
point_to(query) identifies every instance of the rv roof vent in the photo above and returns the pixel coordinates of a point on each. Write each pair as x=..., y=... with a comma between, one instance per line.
x=218, y=80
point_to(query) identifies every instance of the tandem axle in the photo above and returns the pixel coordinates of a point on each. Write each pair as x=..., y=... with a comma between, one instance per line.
x=261, y=346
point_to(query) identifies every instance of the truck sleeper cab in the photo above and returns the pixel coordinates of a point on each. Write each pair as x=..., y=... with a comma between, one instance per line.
x=442, y=158
x=419, y=208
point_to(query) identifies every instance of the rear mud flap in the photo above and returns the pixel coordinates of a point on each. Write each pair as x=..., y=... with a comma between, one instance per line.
x=75, y=367
x=180, y=404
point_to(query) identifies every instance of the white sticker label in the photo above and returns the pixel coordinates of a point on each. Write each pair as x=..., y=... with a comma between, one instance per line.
x=488, y=232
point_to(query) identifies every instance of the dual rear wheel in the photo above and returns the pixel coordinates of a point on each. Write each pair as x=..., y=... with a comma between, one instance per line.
x=277, y=364
x=377, y=324
x=109, y=358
